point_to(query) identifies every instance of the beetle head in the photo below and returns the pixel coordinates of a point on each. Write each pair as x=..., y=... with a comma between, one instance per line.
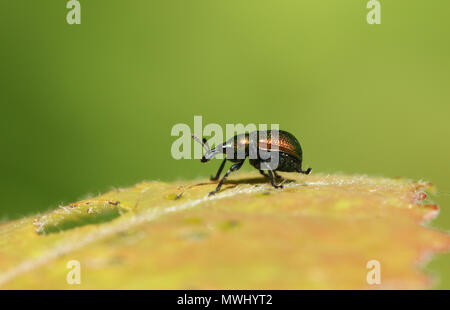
x=209, y=154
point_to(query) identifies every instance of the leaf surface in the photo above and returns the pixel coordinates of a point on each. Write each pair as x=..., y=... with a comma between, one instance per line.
x=319, y=232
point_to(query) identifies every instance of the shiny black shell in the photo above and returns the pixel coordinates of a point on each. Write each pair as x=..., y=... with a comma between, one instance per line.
x=289, y=149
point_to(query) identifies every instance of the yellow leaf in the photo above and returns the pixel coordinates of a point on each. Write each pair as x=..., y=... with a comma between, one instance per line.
x=319, y=232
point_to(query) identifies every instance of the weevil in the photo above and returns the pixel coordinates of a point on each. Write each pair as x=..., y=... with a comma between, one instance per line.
x=254, y=145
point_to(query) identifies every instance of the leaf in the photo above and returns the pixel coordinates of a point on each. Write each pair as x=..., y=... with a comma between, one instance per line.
x=319, y=232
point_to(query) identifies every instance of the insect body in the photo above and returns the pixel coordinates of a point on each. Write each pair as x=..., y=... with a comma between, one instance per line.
x=262, y=147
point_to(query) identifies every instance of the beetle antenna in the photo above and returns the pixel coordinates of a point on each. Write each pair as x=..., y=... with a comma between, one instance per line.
x=209, y=153
x=204, y=143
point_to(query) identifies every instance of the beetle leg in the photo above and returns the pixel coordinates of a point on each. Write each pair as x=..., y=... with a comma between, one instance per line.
x=307, y=171
x=232, y=168
x=272, y=180
x=219, y=171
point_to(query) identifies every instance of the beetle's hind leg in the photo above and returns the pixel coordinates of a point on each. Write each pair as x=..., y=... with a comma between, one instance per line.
x=218, y=171
x=232, y=168
x=272, y=179
x=307, y=171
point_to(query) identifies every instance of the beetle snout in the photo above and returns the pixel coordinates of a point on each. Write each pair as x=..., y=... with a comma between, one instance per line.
x=203, y=160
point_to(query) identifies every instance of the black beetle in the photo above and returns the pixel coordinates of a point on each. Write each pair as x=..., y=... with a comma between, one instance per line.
x=258, y=143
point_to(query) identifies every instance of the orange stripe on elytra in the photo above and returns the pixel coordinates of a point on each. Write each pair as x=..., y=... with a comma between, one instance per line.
x=283, y=145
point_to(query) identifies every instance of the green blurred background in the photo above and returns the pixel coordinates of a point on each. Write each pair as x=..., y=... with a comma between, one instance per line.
x=91, y=106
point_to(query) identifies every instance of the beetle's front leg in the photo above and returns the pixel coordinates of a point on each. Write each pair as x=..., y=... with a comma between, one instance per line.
x=218, y=171
x=232, y=168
